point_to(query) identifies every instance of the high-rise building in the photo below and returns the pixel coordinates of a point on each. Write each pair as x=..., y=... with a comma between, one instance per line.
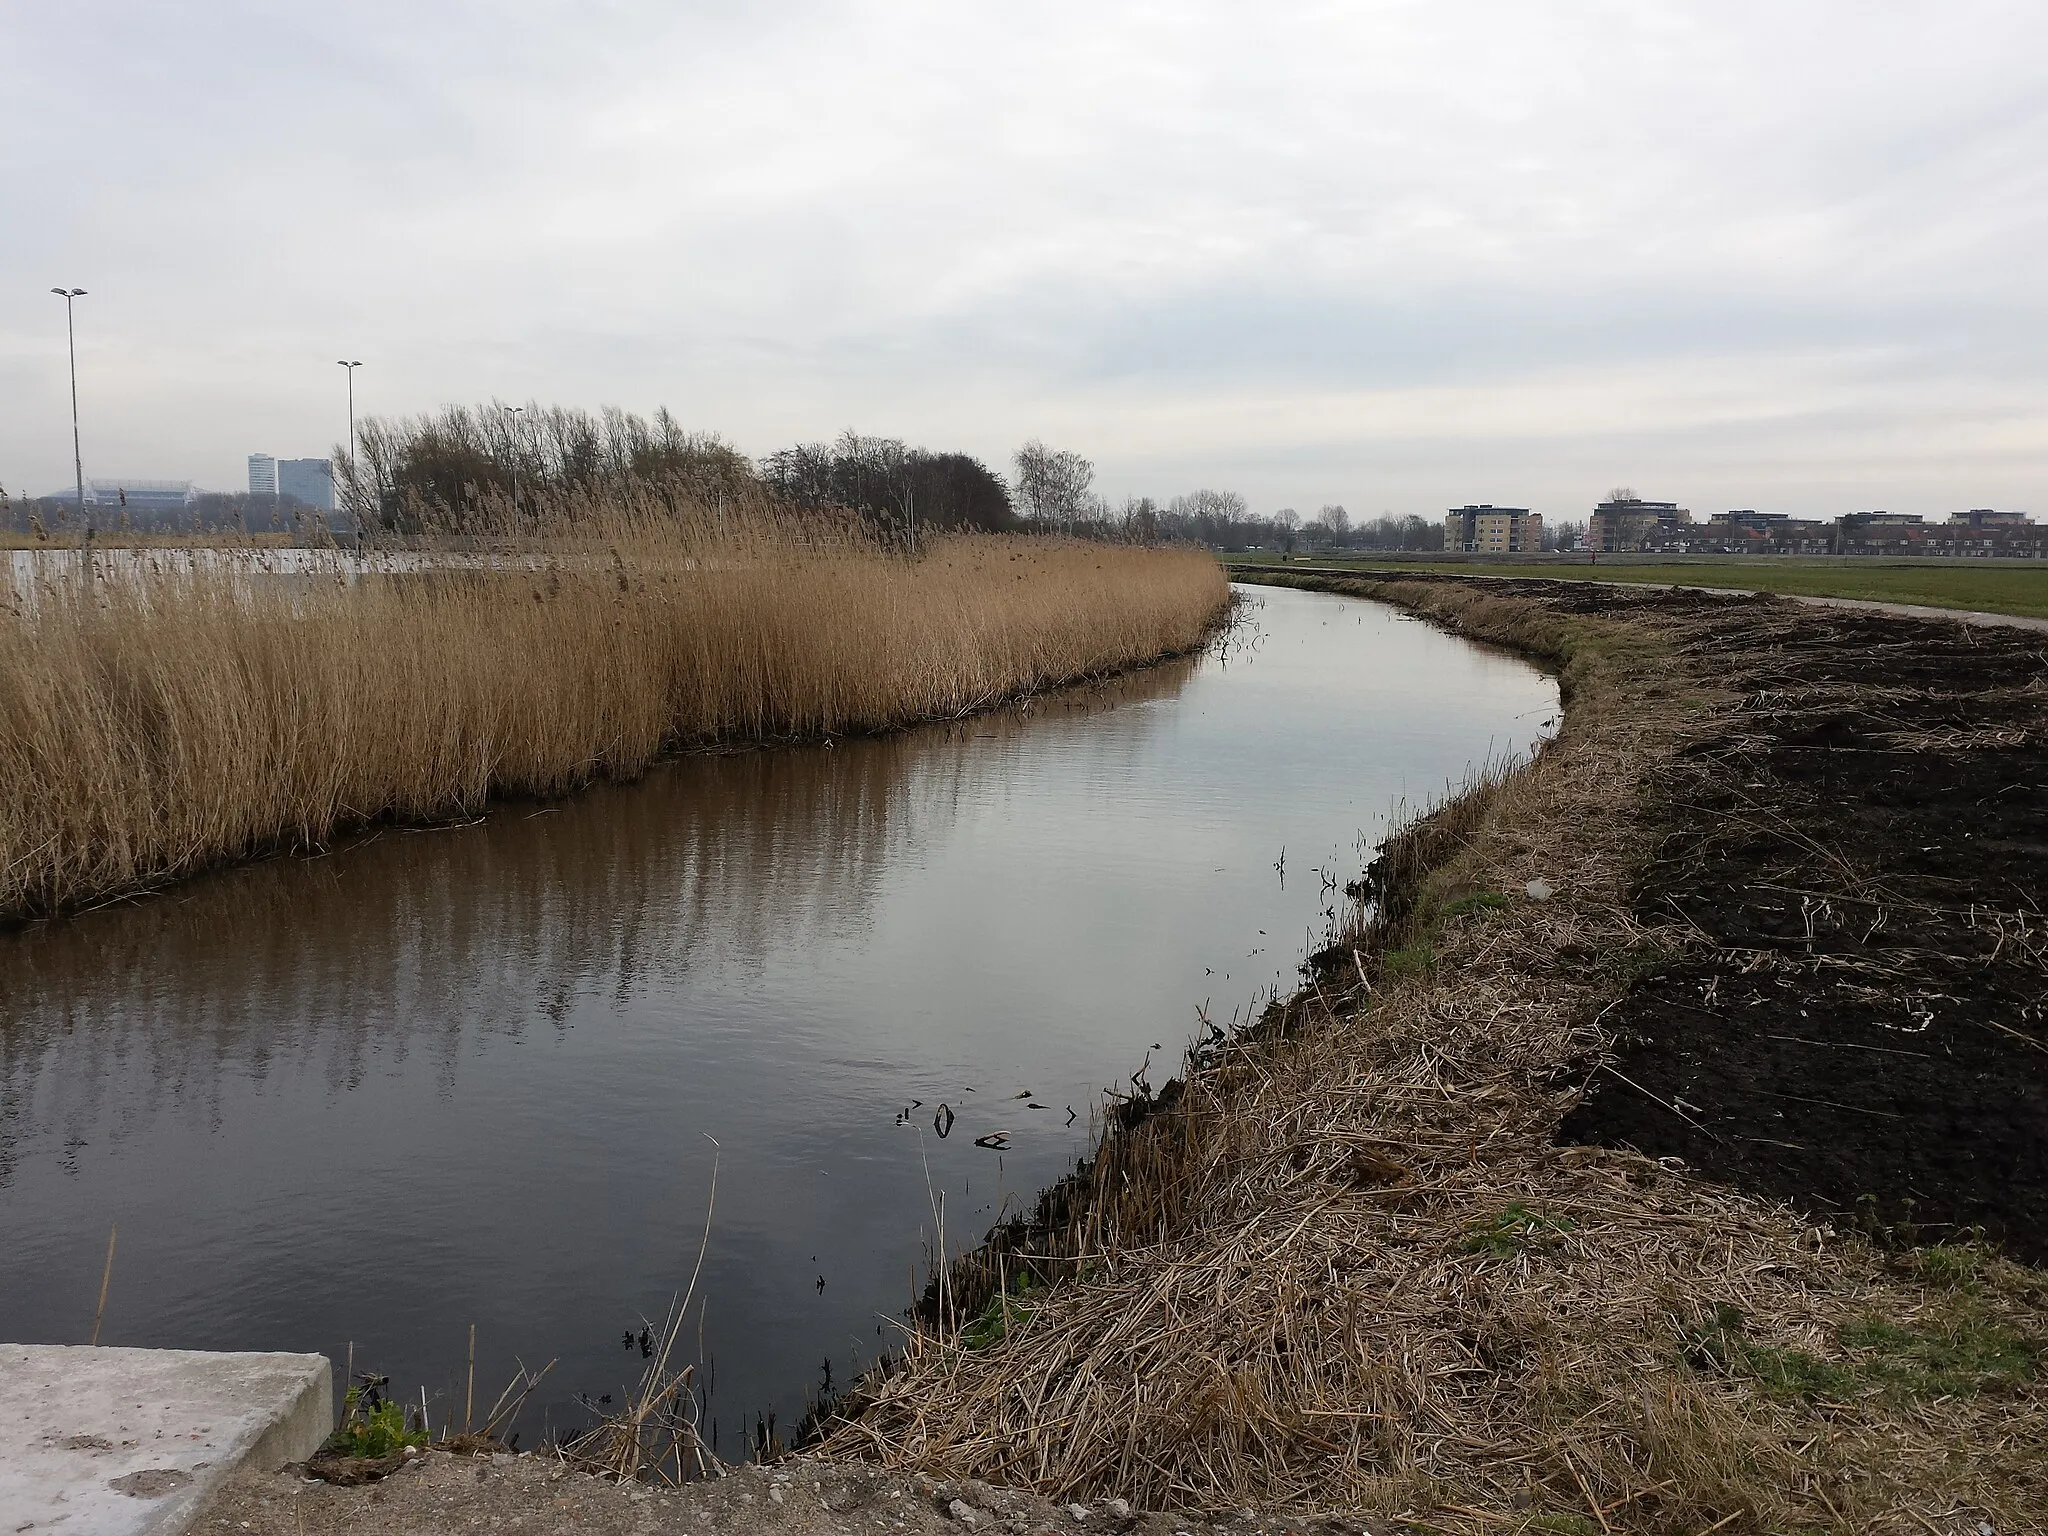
x=309, y=481
x=262, y=475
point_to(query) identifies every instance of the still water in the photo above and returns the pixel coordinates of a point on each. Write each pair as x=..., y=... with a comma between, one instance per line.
x=476, y=1075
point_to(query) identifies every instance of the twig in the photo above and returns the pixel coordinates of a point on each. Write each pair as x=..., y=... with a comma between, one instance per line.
x=106, y=1275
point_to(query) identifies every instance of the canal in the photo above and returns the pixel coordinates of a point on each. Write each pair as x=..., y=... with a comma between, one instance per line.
x=480, y=1075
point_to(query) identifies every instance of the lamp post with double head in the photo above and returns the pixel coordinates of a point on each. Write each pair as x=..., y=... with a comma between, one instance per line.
x=512, y=457
x=77, y=458
x=353, y=494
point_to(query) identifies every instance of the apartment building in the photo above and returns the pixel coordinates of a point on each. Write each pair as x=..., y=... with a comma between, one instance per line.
x=1629, y=523
x=1490, y=530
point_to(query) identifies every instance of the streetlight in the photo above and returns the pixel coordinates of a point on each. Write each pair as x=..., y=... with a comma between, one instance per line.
x=353, y=490
x=513, y=459
x=77, y=459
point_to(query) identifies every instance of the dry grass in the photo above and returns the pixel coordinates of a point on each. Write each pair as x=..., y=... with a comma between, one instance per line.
x=151, y=727
x=1346, y=1267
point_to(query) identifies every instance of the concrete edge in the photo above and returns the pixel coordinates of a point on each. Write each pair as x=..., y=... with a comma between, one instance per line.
x=114, y=1441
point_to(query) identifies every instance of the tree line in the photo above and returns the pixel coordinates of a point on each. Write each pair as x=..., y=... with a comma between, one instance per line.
x=498, y=467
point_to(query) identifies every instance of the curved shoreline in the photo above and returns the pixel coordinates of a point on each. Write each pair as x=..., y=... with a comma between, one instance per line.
x=1388, y=1143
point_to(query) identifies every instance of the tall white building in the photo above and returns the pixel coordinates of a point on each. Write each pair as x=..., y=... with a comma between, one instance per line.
x=262, y=475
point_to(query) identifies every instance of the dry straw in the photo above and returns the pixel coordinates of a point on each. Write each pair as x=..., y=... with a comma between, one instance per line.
x=186, y=713
x=1346, y=1266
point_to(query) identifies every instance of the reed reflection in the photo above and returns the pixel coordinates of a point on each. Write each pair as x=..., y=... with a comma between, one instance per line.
x=431, y=940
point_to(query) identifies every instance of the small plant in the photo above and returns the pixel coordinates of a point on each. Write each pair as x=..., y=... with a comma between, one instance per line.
x=993, y=1323
x=1485, y=901
x=1412, y=960
x=1723, y=1344
x=1953, y=1266
x=1517, y=1229
x=373, y=1426
x=1563, y=1525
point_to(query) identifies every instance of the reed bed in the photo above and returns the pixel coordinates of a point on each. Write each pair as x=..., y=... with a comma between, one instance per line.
x=153, y=726
x=1343, y=1265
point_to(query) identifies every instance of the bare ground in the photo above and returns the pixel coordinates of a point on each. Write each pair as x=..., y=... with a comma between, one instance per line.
x=443, y=1495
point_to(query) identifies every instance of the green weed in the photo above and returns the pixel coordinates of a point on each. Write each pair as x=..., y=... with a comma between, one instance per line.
x=373, y=1431
x=1484, y=901
x=1953, y=1266
x=995, y=1320
x=1960, y=1355
x=1517, y=1229
x=1412, y=960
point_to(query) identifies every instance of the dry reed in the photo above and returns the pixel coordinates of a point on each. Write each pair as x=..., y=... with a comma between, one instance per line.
x=156, y=724
x=1344, y=1265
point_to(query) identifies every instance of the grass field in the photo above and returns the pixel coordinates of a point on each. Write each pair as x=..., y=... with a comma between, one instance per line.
x=2014, y=586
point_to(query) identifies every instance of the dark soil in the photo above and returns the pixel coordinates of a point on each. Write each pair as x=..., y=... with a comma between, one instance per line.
x=1857, y=1022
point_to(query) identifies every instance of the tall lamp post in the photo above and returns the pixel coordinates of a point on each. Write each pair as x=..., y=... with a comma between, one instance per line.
x=514, y=410
x=77, y=459
x=352, y=486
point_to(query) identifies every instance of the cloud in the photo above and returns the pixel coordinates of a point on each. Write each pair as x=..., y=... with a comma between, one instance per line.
x=1735, y=252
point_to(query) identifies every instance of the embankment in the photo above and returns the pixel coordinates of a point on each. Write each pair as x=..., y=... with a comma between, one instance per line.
x=151, y=728
x=1420, y=1242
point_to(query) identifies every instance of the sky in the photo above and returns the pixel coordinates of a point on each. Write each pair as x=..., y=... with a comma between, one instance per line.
x=1780, y=254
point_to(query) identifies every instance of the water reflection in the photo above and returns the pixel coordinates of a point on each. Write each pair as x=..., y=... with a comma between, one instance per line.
x=474, y=1075
x=416, y=941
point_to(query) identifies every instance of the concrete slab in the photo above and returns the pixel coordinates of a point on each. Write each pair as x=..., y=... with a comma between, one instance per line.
x=131, y=1442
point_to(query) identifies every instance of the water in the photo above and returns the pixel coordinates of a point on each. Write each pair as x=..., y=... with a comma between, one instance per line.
x=476, y=1075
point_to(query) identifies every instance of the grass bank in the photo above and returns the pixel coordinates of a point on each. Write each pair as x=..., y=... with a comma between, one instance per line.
x=2008, y=586
x=151, y=727
x=1345, y=1262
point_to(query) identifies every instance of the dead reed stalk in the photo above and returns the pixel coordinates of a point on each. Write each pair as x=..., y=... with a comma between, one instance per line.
x=153, y=726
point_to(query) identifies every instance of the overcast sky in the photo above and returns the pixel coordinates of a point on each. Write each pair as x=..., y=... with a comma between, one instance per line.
x=1783, y=254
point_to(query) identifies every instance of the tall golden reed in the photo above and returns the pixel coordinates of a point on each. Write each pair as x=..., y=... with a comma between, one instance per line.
x=150, y=728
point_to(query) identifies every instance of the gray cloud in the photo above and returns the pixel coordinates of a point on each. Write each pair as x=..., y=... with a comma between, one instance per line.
x=1390, y=254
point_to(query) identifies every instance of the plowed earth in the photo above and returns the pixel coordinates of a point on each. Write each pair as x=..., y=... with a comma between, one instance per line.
x=1855, y=1017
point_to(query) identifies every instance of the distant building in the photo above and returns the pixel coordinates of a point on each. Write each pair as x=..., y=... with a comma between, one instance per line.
x=308, y=481
x=1491, y=530
x=262, y=475
x=1745, y=531
x=1984, y=517
x=139, y=494
x=1629, y=523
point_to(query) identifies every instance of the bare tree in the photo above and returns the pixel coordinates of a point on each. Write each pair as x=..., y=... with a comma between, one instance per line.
x=1052, y=485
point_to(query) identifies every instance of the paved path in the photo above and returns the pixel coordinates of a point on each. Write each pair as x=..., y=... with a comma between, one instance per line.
x=1905, y=610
